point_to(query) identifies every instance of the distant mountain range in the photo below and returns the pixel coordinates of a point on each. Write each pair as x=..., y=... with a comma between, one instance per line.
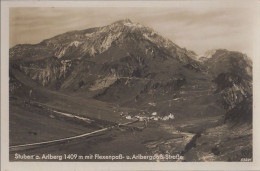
x=131, y=65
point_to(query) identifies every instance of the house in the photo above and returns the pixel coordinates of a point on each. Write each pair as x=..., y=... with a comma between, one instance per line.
x=165, y=118
x=154, y=113
x=171, y=116
x=152, y=104
x=128, y=117
x=141, y=118
x=156, y=118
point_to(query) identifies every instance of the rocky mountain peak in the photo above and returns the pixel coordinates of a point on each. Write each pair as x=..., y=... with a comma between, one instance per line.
x=210, y=53
x=123, y=21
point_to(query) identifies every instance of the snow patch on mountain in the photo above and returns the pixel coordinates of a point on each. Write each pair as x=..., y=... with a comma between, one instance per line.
x=133, y=25
x=60, y=53
x=75, y=43
x=108, y=41
x=89, y=34
x=148, y=37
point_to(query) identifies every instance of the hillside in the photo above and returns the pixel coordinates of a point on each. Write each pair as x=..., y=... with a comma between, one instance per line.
x=127, y=70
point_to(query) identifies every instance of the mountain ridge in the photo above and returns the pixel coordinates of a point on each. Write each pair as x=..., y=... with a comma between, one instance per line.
x=126, y=63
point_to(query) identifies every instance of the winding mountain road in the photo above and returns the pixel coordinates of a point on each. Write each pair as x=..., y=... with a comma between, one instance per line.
x=29, y=145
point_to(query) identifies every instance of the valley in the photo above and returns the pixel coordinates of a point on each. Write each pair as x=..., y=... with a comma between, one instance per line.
x=125, y=89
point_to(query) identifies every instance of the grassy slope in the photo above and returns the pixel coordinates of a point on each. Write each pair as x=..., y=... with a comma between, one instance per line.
x=29, y=124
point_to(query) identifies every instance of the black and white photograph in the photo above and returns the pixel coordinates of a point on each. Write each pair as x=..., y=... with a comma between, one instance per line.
x=131, y=84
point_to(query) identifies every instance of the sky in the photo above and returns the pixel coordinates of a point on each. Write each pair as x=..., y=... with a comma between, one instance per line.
x=198, y=29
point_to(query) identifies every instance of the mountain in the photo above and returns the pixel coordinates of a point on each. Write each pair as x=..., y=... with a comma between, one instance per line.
x=130, y=64
x=95, y=58
x=126, y=62
x=232, y=73
x=127, y=68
